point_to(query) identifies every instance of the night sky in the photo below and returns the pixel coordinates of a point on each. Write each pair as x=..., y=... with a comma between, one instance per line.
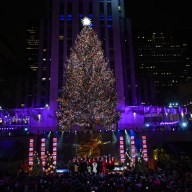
x=13, y=17
x=165, y=15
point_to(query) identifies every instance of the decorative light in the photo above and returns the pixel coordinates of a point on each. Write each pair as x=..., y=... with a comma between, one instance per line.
x=184, y=124
x=104, y=111
x=39, y=116
x=169, y=123
x=86, y=21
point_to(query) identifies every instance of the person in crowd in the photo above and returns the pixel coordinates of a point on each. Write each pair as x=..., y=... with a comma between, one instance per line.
x=167, y=177
x=94, y=165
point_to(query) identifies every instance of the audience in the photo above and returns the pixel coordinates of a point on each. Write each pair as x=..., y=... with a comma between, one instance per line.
x=169, y=176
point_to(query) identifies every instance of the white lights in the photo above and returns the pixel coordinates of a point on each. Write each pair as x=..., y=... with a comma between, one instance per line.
x=133, y=149
x=184, y=124
x=147, y=124
x=39, y=116
x=144, y=144
x=173, y=104
x=86, y=21
x=31, y=152
x=122, y=151
x=55, y=150
x=43, y=140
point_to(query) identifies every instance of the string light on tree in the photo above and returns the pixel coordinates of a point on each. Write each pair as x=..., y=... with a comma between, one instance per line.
x=89, y=95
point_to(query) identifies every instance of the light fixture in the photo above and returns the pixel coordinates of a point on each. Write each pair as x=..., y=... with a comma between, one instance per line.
x=39, y=116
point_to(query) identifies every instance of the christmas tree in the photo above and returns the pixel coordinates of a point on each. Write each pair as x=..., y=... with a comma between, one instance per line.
x=89, y=95
x=37, y=168
x=50, y=167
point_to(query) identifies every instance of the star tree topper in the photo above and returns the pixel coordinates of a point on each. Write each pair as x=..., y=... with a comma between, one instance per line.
x=86, y=21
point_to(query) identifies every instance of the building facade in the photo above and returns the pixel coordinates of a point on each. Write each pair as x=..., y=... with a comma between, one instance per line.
x=163, y=58
x=27, y=80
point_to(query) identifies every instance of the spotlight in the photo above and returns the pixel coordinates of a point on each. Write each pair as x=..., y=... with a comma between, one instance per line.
x=184, y=124
x=147, y=124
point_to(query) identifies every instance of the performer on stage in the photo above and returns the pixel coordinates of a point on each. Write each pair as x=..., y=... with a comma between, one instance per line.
x=99, y=165
x=76, y=166
x=89, y=169
x=94, y=164
x=104, y=165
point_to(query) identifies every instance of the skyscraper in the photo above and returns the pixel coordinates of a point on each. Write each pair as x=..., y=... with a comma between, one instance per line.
x=32, y=44
x=27, y=81
x=58, y=33
x=164, y=59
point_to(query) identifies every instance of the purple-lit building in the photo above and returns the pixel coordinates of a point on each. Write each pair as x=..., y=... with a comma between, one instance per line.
x=143, y=118
x=163, y=67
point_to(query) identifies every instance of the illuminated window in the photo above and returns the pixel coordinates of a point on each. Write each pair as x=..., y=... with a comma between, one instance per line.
x=61, y=37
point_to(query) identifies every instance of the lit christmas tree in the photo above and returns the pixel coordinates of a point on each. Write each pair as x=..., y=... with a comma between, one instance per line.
x=37, y=168
x=50, y=167
x=89, y=95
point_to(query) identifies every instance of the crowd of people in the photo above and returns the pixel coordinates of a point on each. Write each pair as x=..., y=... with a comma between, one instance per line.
x=168, y=177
